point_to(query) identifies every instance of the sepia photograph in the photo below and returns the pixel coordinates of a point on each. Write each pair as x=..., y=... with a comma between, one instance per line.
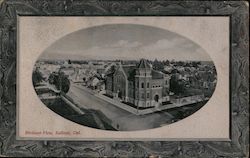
x=124, y=77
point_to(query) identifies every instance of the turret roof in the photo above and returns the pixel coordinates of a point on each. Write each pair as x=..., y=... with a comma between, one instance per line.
x=144, y=64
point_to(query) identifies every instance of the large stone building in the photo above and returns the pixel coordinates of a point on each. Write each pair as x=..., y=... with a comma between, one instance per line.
x=140, y=84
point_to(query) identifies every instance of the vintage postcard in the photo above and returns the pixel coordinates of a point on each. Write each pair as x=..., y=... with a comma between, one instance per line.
x=123, y=78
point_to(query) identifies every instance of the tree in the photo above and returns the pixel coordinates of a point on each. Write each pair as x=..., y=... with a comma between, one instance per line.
x=174, y=71
x=158, y=65
x=37, y=77
x=51, y=78
x=180, y=63
x=196, y=63
x=60, y=80
x=166, y=62
x=176, y=85
x=63, y=83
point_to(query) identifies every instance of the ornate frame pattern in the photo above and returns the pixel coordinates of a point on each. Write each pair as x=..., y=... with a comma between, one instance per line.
x=239, y=75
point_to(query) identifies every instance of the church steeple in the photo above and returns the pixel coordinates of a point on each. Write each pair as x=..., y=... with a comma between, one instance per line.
x=144, y=64
x=143, y=82
x=143, y=68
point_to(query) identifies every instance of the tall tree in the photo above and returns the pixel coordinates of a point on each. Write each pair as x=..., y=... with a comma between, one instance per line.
x=60, y=80
x=37, y=77
x=176, y=85
x=158, y=65
x=167, y=62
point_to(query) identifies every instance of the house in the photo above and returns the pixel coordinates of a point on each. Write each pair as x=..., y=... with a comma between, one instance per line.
x=69, y=71
x=92, y=82
x=100, y=70
x=101, y=86
x=140, y=85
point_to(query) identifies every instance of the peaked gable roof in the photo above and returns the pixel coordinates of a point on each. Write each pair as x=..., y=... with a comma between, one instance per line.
x=129, y=71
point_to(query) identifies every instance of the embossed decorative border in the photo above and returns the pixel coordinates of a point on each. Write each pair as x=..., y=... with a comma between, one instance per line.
x=239, y=75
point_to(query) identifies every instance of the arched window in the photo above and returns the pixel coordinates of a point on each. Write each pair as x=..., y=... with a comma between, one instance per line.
x=142, y=85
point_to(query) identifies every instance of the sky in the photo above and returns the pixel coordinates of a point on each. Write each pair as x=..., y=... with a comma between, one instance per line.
x=125, y=42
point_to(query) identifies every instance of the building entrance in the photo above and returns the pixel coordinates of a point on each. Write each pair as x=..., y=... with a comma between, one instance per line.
x=120, y=94
x=156, y=98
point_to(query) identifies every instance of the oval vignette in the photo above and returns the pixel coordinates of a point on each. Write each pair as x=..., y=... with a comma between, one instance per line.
x=124, y=77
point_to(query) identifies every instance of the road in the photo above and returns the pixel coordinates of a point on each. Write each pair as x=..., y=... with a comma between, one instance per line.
x=121, y=119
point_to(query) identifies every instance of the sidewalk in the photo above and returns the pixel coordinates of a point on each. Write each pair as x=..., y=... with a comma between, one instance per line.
x=137, y=111
x=145, y=111
x=118, y=104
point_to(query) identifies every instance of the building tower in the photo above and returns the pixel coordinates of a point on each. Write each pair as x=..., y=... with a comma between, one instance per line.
x=143, y=79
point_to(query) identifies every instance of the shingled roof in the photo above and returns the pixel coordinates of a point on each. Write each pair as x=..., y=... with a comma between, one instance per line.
x=129, y=71
x=144, y=64
x=157, y=74
x=110, y=72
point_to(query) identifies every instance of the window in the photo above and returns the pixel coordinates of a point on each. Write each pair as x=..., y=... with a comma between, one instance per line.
x=148, y=85
x=142, y=96
x=142, y=85
x=147, y=95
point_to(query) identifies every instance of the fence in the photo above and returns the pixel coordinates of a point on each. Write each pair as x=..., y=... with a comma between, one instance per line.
x=190, y=99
